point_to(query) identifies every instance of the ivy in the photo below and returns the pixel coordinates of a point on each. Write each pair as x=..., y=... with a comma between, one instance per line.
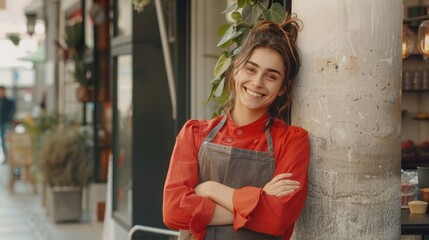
x=245, y=14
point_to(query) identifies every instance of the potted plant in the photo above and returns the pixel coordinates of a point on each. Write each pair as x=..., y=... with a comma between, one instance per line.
x=67, y=166
x=74, y=50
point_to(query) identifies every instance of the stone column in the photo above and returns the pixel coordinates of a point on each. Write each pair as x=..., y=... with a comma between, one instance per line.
x=348, y=97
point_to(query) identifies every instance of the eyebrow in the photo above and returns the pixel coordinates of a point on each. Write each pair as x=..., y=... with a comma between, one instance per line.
x=268, y=70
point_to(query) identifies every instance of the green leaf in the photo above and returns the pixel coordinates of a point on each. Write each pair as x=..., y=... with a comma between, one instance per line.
x=215, y=81
x=227, y=44
x=230, y=8
x=222, y=29
x=219, y=89
x=241, y=3
x=276, y=13
x=229, y=34
x=251, y=14
x=263, y=4
x=236, y=16
x=235, y=52
x=222, y=64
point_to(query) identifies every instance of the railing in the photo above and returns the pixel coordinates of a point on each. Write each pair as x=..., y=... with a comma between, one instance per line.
x=152, y=230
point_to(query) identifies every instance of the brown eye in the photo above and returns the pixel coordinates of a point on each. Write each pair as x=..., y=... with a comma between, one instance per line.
x=272, y=77
x=251, y=69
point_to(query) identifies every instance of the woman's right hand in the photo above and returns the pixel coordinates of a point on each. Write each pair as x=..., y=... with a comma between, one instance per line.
x=280, y=186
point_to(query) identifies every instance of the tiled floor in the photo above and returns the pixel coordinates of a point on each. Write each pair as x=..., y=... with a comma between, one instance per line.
x=22, y=217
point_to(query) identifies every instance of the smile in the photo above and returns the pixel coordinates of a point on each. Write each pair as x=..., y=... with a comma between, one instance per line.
x=252, y=93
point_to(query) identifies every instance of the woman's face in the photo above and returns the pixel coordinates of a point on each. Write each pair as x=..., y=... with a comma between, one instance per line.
x=259, y=81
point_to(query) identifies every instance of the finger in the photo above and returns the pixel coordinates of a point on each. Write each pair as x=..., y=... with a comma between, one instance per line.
x=285, y=193
x=280, y=176
x=284, y=182
x=284, y=188
x=272, y=191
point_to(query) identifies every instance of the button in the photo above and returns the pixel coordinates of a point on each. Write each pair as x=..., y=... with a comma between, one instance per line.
x=256, y=141
x=239, y=132
x=228, y=140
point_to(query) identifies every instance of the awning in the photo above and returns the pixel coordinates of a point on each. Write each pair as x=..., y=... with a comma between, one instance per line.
x=36, y=57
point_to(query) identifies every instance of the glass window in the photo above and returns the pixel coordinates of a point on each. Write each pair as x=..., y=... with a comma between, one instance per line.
x=124, y=129
x=89, y=27
x=125, y=16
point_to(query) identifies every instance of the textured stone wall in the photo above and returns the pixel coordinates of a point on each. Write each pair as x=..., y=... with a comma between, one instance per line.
x=348, y=96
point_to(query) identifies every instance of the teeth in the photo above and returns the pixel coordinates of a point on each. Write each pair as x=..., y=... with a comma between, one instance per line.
x=255, y=94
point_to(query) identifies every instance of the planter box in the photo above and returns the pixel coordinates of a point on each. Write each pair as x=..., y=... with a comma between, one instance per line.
x=65, y=204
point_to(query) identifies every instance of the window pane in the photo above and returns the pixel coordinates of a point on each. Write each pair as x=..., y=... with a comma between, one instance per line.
x=123, y=190
x=125, y=16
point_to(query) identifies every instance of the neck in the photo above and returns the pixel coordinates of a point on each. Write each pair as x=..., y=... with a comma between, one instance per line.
x=245, y=117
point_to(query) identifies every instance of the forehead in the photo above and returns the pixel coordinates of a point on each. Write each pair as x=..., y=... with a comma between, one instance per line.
x=267, y=58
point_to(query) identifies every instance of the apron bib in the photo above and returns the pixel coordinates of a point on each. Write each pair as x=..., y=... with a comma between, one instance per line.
x=236, y=168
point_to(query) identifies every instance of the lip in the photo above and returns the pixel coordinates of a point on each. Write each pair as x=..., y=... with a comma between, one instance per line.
x=253, y=93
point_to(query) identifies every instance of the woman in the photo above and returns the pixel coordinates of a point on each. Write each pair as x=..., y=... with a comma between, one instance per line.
x=244, y=175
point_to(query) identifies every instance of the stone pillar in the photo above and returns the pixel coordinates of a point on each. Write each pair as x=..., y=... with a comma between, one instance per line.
x=348, y=96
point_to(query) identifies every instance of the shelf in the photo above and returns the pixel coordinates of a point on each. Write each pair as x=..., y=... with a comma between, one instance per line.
x=415, y=90
x=413, y=164
x=420, y=119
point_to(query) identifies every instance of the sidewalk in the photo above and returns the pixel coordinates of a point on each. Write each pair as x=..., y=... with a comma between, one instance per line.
x=22, y=217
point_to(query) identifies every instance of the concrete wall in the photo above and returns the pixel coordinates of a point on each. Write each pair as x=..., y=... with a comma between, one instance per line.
x=348, y=97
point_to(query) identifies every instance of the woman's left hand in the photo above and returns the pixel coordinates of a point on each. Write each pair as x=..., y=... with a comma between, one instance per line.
x=281, y=186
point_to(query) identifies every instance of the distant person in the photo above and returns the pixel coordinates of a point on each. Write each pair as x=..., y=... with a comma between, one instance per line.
x=7, y=111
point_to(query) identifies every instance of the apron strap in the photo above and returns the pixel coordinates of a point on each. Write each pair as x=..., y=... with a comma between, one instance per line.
x=269, y=141
x=215, y=130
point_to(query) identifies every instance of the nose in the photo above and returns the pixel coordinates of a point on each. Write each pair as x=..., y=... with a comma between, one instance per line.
x=257, y=80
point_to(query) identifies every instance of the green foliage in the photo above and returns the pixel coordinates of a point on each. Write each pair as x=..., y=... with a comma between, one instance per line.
x=14, y=37
x=67, y=157
x=245, y=14
x=45, y=122
x=76, y=47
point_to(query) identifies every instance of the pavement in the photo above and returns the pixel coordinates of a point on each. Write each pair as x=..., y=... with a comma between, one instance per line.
x=22, y=216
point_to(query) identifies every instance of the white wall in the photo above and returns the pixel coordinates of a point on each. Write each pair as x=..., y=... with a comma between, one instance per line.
x=206, y=18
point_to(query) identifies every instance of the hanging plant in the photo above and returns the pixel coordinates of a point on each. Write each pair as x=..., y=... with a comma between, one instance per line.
x=244, y=13
x=75, y=50
x=14, y=37
x=139, y=5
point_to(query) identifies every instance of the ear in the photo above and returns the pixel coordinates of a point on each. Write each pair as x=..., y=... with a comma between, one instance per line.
x=282, y=91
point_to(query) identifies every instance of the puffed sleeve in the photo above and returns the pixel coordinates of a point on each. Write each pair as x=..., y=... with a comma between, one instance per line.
x=257, y=211
x=182, y=208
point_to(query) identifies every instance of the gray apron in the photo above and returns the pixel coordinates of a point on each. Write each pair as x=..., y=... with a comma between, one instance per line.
x=236, y=168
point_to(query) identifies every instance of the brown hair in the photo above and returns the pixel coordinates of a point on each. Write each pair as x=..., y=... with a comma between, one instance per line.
x=280, y=37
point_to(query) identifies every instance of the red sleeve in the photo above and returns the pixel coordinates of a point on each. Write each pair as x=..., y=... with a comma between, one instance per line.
x=257, y=211
x=182, y=208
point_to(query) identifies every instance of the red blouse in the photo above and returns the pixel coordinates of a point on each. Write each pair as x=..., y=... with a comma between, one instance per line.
x=253, y=208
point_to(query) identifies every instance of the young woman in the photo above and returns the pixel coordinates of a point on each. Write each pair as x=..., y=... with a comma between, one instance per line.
x=244, y=175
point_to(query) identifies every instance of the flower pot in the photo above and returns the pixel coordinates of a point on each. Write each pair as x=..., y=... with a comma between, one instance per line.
x=65, y=204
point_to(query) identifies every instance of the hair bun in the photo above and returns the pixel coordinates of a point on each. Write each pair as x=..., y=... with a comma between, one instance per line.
x=291, y=25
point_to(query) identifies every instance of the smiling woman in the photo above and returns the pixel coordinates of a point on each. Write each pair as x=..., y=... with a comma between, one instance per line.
x=257, y=84
x=244, y=175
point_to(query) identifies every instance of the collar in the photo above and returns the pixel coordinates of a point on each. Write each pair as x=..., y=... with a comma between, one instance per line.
x=257, y=126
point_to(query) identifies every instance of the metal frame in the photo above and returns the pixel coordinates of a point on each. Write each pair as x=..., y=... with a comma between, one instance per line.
x=151, y=230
